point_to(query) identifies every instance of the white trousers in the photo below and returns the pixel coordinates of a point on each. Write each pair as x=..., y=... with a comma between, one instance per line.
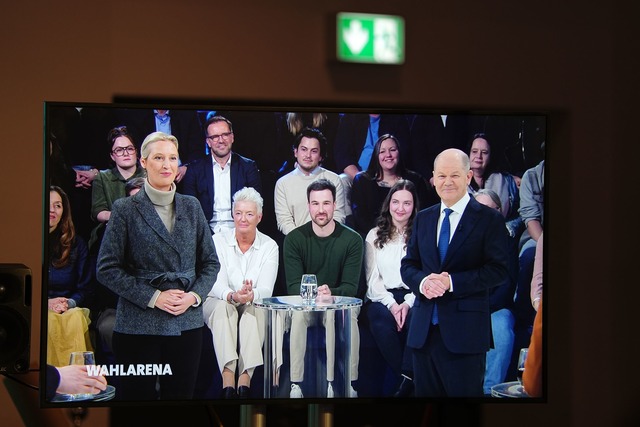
x=300, y=321
x=238, y=334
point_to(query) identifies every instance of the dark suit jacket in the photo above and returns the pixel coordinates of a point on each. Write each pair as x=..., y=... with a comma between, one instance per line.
x=139, y=255
x=198, y=181
x=52, y=382
x=476, y=260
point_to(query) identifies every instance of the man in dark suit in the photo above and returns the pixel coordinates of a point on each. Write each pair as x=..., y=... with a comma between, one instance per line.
x=456, y=254
x=214, y=179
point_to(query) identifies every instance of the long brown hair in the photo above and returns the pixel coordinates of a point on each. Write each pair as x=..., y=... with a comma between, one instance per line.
x=374, y=171
x=386, y=229
x=60, y=247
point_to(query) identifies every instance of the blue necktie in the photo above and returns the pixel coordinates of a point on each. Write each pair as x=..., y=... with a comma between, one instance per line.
x=445, y=234
x=443, y=245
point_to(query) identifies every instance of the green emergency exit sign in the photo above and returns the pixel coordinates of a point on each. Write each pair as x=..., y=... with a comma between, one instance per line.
x=369, y=38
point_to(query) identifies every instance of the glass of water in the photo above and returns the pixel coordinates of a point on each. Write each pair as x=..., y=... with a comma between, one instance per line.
x=308, y=288
x=82, y=358
x=522, y=358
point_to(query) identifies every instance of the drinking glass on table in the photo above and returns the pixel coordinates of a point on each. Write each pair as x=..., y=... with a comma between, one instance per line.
x=82, y=358
x=521, y=359
x=308, y=288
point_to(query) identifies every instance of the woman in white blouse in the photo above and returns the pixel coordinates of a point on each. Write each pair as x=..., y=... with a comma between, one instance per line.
x=389, y=300
x=248, y=269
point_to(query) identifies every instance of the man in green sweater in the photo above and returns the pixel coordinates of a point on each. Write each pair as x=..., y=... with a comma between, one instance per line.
x=333, y=252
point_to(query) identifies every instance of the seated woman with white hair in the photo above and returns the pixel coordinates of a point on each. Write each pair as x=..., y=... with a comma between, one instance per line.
x=248, y=269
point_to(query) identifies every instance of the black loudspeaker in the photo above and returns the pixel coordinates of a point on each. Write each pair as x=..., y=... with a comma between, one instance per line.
x=15, y=318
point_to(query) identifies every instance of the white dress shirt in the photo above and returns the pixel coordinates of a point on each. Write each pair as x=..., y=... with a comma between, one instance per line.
x=222, y=218
x=258, y=264
x=382, y=268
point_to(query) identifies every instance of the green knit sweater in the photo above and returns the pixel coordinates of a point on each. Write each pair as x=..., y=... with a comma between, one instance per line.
x=336, y=260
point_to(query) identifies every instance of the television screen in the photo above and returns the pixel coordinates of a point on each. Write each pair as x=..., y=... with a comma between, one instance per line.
x=234, y=252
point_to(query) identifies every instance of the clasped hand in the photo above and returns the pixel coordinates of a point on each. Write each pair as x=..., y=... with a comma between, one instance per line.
x=58, y=304
x=399, y=312
x=324, y=293
x=245, y=294
x=436, y=285
x=175, y=301
x=84, y=179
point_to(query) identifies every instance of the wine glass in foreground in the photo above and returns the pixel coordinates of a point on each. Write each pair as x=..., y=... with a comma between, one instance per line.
x=82, y=358
x=308, y=288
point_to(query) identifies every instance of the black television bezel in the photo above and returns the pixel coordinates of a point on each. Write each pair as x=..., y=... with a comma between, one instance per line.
x=276, y=107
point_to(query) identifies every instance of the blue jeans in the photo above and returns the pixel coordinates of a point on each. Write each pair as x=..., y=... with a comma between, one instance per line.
x=499, y=357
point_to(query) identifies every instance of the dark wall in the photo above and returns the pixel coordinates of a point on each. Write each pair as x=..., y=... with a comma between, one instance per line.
x=571, y=59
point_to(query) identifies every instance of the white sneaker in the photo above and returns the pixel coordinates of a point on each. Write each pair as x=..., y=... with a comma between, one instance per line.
x=352, y=391
x=330, y=393
x=296, y=392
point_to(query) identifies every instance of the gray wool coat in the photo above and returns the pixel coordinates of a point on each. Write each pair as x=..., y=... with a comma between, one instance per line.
x=138, y=256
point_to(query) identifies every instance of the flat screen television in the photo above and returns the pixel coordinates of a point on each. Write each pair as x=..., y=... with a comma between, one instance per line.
x=79, y=156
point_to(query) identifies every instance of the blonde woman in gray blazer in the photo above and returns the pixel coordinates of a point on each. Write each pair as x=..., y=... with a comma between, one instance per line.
x=158, y=257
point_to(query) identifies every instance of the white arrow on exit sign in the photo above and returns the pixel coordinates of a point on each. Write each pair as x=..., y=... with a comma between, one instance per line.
x=365, y=37
x=356, y=37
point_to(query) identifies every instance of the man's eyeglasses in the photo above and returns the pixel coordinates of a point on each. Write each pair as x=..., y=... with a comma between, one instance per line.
x=120, y=151
x=215, y=138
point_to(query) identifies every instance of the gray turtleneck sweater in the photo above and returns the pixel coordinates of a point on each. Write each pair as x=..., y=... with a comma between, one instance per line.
x=163, y=202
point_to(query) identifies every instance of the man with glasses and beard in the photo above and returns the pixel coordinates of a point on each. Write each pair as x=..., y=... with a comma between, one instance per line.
x=214, y=179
